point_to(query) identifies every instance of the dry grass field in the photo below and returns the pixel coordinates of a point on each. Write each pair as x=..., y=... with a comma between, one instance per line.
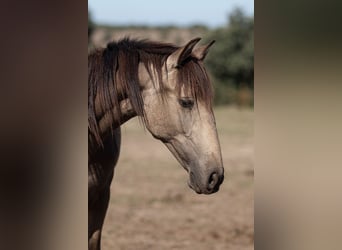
x=152, y=207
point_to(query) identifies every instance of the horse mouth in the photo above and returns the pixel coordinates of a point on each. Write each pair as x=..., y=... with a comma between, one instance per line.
x=194, y=187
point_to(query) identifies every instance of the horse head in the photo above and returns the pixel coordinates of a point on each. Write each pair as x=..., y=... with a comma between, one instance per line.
x=178, y=112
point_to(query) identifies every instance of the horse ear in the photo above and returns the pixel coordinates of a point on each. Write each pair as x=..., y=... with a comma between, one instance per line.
x=177, y=58
x=201, y=52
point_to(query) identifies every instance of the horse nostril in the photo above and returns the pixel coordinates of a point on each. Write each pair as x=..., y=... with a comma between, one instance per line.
x=212, y=181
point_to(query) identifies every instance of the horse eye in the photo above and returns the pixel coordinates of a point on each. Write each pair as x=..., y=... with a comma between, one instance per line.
x=186, y=102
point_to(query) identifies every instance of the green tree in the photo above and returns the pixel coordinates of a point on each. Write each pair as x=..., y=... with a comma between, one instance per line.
x=231, y=59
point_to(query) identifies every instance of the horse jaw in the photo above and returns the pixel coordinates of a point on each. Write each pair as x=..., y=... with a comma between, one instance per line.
x=198, y=151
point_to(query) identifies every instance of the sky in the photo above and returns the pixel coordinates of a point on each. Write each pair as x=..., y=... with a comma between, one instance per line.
x=212, y=13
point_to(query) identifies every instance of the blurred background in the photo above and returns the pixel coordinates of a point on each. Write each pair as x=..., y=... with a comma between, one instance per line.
x=151, y=206
x=231, y=23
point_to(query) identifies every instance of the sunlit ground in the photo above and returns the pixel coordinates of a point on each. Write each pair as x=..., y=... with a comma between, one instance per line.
x=152, y=207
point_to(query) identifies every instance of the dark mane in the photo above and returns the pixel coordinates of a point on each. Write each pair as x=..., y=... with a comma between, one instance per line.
x=113, y=76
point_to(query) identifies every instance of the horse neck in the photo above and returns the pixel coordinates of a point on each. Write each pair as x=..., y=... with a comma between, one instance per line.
x=110, y=119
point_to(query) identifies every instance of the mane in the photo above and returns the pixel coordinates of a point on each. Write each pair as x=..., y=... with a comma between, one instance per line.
x=113, y=76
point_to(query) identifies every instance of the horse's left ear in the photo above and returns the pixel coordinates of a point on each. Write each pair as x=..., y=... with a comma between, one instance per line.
x=177, y=58
x=201, y=52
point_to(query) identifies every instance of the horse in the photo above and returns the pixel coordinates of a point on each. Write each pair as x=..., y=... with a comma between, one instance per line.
x=168, y=88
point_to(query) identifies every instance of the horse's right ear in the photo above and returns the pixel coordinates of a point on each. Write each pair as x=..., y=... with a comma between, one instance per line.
x=177, y=58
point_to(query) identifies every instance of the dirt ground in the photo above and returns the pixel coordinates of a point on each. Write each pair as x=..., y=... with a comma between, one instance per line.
x=152, y=207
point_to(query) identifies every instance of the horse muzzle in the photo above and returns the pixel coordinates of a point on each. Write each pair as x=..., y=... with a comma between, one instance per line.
x=206, y=184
